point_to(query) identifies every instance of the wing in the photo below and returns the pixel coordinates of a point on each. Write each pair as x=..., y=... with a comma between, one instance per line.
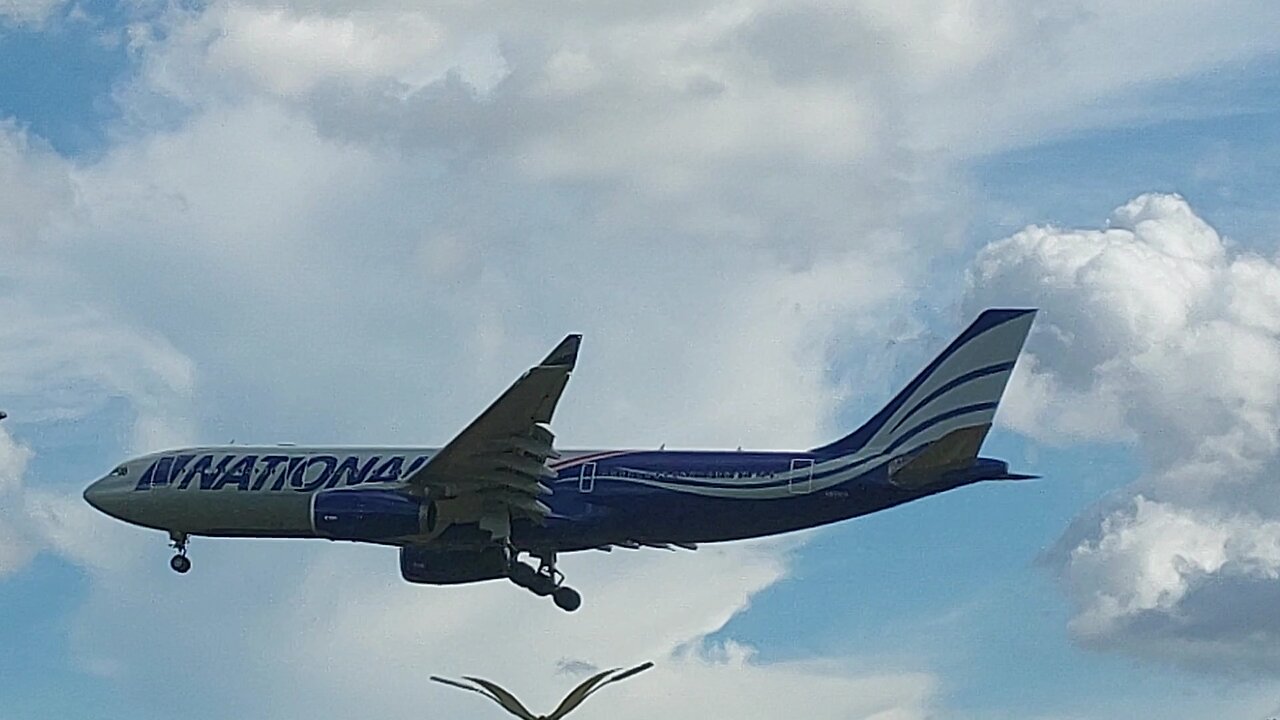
x=624, y=675
x=580, y=693
x=461, y=685
x=511, y=705
x=501, y=456
x=504, y=698
x=591, y=685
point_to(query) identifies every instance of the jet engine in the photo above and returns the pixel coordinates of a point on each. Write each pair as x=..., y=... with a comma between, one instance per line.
x=450, y=567
x=372, y=515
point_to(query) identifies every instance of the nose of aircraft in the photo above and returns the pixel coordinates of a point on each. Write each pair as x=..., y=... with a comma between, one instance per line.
x=94, y=494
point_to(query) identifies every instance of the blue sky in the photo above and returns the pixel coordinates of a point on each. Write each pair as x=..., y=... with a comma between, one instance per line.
x=58, y=78
x=278, y=223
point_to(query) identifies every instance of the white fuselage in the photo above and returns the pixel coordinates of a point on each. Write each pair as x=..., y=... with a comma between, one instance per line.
x=261, y=491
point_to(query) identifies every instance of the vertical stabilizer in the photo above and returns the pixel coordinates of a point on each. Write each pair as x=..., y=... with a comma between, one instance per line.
x=952, y=402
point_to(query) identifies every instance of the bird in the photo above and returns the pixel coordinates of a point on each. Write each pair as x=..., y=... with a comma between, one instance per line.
x=496, y=693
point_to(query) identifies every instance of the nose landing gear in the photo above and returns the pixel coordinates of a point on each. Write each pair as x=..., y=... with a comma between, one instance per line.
x=544, y=581
x=180, y=563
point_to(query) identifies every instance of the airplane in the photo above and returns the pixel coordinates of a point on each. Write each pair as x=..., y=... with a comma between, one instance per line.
x=499, y=490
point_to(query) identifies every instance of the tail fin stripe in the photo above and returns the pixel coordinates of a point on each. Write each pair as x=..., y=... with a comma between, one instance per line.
x=966, y=410
x=962, y=380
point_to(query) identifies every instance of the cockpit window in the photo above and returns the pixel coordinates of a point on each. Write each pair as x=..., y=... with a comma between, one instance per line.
x=121, y=471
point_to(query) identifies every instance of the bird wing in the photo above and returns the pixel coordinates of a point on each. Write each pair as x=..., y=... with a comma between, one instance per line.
x=590, y=686
x=464, y=686
x=504, y=698
x=623, y=676
x=578, y=694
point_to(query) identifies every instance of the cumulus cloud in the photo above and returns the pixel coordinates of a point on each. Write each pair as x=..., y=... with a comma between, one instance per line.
x=64, y=357
x=371, y=251
x=62, y=363
x=337, y=288
x=361, y=641
x=361, y=223
x=236, y=49
x=958, y=78
x=1167, y=337
x=47, y=518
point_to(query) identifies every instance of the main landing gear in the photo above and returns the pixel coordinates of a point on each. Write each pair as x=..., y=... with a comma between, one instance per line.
x=179, y=563
x=544, y=581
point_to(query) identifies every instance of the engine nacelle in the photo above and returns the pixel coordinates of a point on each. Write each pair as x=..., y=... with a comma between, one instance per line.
x=450, y=567
x=372, y=515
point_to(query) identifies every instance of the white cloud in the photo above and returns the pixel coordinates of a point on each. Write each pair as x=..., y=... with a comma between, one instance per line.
x=334, y=240
x=44, y=519
x=290, y=54
x=64, y=357
x=732, y=684
x=64, y=362
x=361, y=223
x=27, y=12
x=230, y=50
x=15, y=547
x=998, y=74
x=1150, y=557
x=336, y=286
x=1169, y=338
x=294, y=628
x=312, y=274
x=37, y=189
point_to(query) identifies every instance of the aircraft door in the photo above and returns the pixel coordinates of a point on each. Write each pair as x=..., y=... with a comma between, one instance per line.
x=801, y=480
x=587, y=478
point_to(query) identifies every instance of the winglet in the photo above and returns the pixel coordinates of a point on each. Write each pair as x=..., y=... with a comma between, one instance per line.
x=566, y=353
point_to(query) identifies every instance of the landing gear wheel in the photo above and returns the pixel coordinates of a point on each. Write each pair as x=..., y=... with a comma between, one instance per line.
x=178, y=541
x=544, y=581
x=180, y=564
x=566, y=598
